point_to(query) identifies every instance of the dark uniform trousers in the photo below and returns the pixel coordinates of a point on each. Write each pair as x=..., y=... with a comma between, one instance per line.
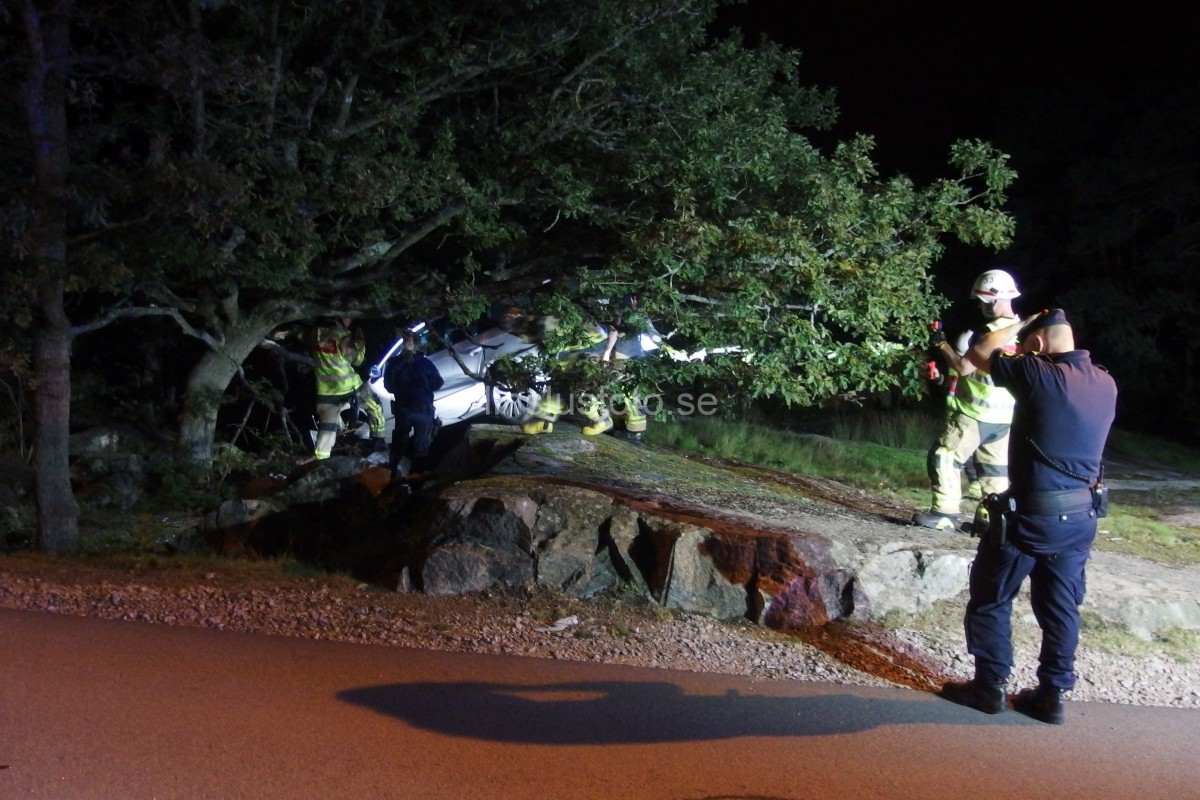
x=1053, y=549
x=421, y=424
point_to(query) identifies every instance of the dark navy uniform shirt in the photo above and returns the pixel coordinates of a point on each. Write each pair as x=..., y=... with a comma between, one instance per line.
x=1066, y=404
x=412, y=379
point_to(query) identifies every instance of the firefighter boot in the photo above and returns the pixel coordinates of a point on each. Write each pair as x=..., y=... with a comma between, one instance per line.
x=938, y=520
x=547, y=411
x=604, y=423
x=535, y=426
x=635, y=419
x=593, y=409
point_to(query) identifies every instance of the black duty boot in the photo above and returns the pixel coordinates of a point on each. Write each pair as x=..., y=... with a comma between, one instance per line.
x=979, y=695
x=1044, y=704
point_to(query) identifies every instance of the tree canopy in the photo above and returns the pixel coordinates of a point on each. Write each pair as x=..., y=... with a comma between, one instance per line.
x=241, y=165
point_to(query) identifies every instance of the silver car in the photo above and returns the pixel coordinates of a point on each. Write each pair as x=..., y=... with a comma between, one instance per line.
x=464, y=366
x=466, y=392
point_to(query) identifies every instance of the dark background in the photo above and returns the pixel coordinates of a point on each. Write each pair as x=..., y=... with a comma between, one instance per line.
x=1097, y=105
x=918, y=75
x=1025, y=76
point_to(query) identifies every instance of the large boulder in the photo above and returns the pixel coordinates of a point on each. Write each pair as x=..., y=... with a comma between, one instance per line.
x=581, y=540
x=901, y=576
x=110, y=475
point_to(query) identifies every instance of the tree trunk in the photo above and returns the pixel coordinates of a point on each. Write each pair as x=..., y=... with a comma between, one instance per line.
x=58, y=513
x=45, y=103
x=206, y=385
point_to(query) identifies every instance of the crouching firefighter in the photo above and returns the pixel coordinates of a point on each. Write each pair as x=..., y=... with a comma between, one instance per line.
x=552, y=405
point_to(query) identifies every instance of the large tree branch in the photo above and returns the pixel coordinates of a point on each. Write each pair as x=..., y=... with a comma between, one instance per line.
x=457, y=80
x=142, y=312
x=387, y=251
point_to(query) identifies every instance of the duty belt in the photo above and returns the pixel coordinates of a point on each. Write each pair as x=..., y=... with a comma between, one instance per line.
x=1062, y=501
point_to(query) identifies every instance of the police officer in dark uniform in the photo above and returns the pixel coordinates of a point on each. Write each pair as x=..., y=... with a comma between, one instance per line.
x=1044, y=525
x=412, y=379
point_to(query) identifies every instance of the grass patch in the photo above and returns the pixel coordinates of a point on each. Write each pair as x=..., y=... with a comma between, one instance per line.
x=1137, y=531
x=1137, y=448
x=902, y=430
x=863, y=464
x=1113, y=637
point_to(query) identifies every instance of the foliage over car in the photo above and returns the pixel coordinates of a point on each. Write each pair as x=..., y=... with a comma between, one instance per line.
x=244, y=165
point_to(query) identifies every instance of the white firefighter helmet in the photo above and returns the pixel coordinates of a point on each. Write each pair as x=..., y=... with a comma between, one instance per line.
x=993, y=285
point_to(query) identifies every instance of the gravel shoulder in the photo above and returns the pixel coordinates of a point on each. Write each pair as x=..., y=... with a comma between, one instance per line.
x=262, y=599
x=273, y=598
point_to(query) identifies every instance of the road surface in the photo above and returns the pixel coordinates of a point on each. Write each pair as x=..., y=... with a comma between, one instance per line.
x=93, y=709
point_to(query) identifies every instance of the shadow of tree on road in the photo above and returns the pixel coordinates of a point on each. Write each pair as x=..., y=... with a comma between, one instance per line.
x=617, y=712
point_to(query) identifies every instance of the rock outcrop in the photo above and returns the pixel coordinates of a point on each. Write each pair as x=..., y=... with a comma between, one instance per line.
x=583, y=516
x=581, y=541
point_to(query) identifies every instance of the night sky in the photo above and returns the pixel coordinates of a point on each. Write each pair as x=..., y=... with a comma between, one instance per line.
x=919, y=75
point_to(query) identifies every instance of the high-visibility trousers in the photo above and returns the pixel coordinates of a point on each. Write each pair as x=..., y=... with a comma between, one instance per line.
x=963, y=439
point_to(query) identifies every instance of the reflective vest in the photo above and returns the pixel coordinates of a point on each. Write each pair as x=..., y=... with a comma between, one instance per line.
x=593, y=336
x=976, y=396
x=336, y=355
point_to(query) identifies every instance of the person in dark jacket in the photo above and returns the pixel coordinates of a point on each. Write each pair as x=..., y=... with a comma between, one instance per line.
x=412, y=379
x=1043, y=527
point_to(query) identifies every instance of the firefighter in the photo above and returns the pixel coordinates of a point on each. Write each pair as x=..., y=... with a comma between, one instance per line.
x=336, y=353
x=551, y=406
x=978, y=412
x=610, y=344
x=628, y=406
x=945, y=378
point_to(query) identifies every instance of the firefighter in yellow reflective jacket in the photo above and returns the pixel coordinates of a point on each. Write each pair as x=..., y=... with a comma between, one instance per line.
x=947, y=380
x=607, y=345
x=336, y=353
x=625, y=405
x=591, y=406
x=978, y=416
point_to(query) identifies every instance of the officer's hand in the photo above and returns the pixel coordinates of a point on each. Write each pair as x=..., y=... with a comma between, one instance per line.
x=938, y=339
x=1027, y=320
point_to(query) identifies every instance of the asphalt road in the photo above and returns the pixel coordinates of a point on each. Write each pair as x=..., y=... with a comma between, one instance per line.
x=93, y=709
